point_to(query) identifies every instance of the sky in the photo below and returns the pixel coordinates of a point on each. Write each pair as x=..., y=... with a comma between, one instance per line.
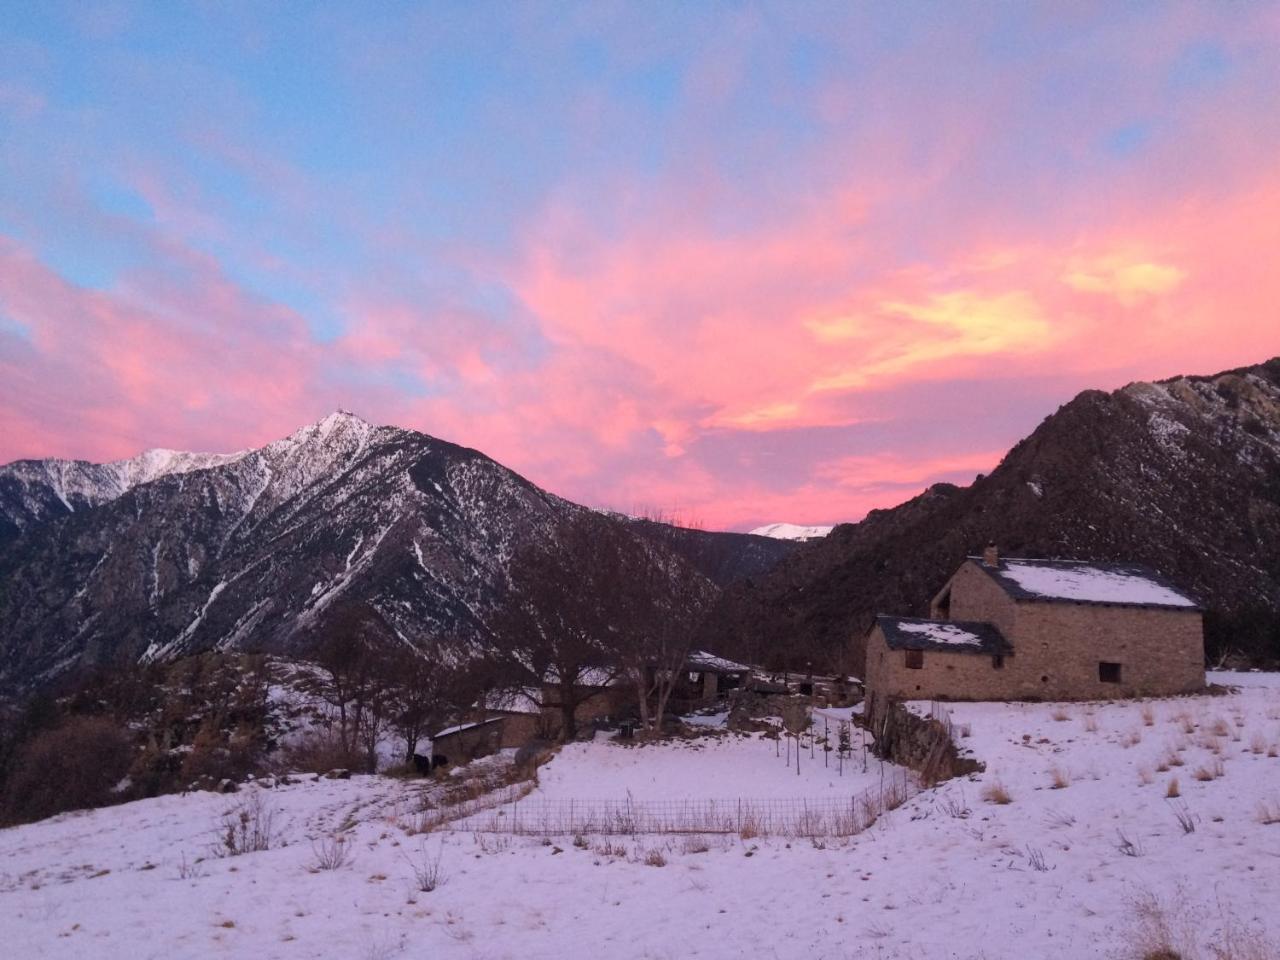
x=735, y=263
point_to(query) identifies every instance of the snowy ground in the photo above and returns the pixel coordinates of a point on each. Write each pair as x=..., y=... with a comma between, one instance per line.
x=948, y=874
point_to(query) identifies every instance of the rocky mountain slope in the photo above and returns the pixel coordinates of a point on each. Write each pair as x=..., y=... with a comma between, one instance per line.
x=33, y=491
x=253, y=551
x=1182, y=475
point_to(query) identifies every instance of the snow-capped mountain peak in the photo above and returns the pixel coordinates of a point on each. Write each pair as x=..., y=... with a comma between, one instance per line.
x=32, y=491
x=790, y=531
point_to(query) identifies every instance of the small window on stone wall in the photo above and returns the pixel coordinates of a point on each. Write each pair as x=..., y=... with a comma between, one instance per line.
x=915, y=659
x=1108, y=672
x=997, y=661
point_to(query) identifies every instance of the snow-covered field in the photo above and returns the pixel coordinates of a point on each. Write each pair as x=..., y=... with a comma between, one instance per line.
x=948, y=874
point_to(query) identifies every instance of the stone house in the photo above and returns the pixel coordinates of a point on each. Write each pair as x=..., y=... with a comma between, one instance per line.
x=1021, y=629
x=705, y=676
x=604, y=694
x=466, y=742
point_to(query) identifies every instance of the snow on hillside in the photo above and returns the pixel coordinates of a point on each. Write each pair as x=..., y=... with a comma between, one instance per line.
x=77, y=484
x=1084, y=860
x=790, y=531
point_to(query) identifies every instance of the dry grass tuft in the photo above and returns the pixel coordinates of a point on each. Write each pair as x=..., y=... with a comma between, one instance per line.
x=1209, y=771
x=1148, y=715
x=996, y=792
x=1269, y=812
x=1061, y=715
x=1059, y=779
x=1172, y=790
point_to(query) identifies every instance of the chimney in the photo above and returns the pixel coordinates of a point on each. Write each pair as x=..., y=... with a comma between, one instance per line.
x=991, y=555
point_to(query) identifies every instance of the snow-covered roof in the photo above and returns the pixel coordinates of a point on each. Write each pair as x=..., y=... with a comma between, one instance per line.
x=590, y=677
x=465, y=726
x=709, y=662
x=952, y=636
x=1081, y=582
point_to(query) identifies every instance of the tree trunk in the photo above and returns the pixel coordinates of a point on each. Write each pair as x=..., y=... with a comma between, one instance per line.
x=642, y=691
x=568, y=713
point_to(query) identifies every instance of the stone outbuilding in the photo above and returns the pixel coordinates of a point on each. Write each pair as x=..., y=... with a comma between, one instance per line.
x=706, y=676
x=1023, y=629
x=466, y=742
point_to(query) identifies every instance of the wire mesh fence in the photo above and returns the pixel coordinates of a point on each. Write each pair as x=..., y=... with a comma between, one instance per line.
x=786, y=817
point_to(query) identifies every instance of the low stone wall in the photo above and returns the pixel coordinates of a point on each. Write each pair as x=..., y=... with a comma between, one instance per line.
x=923, y=744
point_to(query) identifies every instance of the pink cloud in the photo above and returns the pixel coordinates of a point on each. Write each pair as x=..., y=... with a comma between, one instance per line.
x=154, y=362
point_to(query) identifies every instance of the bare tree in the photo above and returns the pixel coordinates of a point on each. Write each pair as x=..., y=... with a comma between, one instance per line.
x=667, y=601
x=425, y=694
x=351, y=659
x=595, y=604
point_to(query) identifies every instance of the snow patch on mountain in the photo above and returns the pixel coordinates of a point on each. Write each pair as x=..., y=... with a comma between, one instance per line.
x=791, y=531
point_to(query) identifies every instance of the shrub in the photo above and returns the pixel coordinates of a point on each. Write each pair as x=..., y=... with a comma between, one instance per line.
x=330, y=853
x=320, y=751
x=75, y=765
x=1172, y=790
x=695, y=844
x=654, y=858
x=427, y=871
x=246, y=828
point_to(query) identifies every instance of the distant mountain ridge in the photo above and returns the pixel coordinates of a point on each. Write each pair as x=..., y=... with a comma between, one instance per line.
x=791, y=531
x=159, y=556
x=33, y=491
x=1181, y=475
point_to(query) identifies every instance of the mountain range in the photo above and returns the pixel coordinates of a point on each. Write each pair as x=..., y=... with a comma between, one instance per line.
x=1182, y=475
x=170, y=553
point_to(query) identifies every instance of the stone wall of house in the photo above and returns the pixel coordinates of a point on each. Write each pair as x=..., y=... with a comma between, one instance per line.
x=521, y=728
x=470, y=744
x=1057, y=649
x=975, y=596
x=614, y=701
x=944, y=675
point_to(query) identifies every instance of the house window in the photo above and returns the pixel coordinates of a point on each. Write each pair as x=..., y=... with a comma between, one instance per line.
x=1108, y=672
x=915, y=659
x=997, y=661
